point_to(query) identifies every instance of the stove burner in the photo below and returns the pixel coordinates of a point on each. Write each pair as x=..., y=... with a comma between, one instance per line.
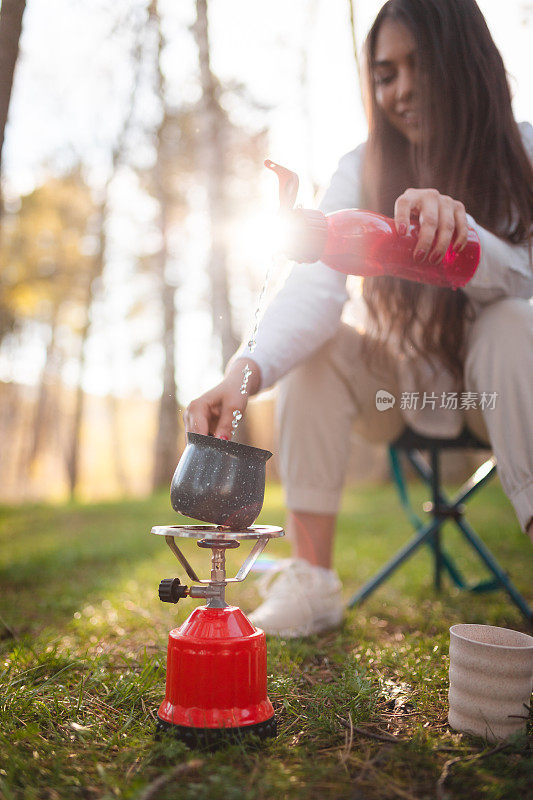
x=218, y=539
x=218, y=531
x=216, y=665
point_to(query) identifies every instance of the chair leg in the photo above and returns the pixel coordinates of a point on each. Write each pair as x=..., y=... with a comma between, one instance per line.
x=420, y=466
x=423, y=536
x=437, y=545
x=481, y=476
x=492, y=565
x=430, y=533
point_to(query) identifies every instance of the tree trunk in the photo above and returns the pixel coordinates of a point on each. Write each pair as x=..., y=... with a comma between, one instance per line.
x=10, y=30
x=43, y=417
x=308, y=23
x=73, y=445
x=115, y=440
x=214, y=161
x=354, y=39
x=166, y=441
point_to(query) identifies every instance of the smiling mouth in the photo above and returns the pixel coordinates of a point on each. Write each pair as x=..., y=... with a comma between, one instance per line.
x=410, y=118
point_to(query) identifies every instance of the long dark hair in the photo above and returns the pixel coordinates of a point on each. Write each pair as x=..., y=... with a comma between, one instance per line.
x=471, y=150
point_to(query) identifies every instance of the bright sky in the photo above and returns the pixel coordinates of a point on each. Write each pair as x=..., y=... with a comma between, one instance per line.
x=64, y=101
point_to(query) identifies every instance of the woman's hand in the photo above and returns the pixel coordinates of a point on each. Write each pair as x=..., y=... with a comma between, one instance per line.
x=442, y=221
x=212, y=412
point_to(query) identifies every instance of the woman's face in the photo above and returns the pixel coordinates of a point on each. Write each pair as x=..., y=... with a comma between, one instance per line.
x=394, y=73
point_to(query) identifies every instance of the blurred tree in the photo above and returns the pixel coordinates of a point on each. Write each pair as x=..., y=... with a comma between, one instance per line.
x=95, y=272
x=45, y=246
x=308, y=23
x=41, y=286
x=227, y=153
x=213, y=134
x=46, y=274
x=354, y=38
x=11, y=14
x=168, y=423
x=90, y=288
x=173, y=182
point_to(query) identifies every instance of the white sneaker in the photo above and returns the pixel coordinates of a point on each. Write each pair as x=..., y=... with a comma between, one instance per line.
x=301, y=600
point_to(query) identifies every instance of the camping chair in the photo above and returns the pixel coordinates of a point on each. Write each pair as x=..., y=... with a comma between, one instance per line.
x=440, y=509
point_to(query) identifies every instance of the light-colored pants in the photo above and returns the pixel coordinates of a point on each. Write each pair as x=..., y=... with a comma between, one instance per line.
x=323, y=399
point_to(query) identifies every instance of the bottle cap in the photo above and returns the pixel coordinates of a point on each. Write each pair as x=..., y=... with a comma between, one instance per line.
x=307, y=235
x=306, y=229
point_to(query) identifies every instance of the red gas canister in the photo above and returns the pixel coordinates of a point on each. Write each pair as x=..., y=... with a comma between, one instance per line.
x=216, y=674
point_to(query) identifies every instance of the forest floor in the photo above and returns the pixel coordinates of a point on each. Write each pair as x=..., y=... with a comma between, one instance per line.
x=362, y=711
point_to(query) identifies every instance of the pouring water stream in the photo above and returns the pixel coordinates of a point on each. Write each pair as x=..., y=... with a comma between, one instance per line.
x=237, y=415
x=288, y=189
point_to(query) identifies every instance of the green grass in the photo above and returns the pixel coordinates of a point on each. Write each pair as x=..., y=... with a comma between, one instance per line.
x=83, y=664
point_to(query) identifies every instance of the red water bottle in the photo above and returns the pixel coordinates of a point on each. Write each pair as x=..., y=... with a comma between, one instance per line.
x=365, y=243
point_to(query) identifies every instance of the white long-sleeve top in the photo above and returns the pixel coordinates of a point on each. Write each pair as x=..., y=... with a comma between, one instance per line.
x=307, y=310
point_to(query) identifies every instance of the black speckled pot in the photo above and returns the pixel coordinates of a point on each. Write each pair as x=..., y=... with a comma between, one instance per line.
x=219, y=482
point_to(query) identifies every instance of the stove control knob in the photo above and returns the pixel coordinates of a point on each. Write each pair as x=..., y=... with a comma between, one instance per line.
x=171, y=590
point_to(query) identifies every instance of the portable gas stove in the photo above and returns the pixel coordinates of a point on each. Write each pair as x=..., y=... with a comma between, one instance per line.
x=216, y=684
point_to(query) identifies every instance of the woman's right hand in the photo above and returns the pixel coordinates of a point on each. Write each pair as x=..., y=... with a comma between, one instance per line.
x=212, y=412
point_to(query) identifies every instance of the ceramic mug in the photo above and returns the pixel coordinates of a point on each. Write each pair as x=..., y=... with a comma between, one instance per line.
x=491, y=678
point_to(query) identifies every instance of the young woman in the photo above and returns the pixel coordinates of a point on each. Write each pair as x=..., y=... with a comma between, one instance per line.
x=443, y=145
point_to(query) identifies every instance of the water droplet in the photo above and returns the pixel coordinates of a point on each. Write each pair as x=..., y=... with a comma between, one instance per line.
x=237, y=416
x=245, y=377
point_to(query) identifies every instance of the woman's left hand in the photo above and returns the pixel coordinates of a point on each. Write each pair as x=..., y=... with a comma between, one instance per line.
x=442, y=221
